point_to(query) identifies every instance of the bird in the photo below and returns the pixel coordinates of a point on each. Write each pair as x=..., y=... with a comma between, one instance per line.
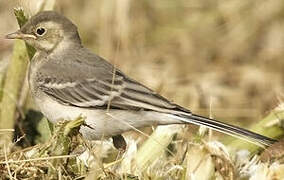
x=67, y=80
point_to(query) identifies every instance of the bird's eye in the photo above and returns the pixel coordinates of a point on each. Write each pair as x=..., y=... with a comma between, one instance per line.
x=40, y=31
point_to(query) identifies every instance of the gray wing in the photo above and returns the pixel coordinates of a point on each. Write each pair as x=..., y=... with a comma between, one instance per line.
x=102, y=89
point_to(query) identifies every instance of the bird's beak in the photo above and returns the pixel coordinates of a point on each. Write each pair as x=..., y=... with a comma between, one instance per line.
x=19, y=35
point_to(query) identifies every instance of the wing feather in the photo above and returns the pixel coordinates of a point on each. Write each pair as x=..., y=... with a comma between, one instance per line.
x=121, y=92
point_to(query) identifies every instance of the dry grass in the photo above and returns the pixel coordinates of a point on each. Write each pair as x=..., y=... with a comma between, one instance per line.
x=162, y=156
x=225, y=53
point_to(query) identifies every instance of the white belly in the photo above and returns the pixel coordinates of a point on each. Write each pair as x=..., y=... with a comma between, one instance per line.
x=102, y=123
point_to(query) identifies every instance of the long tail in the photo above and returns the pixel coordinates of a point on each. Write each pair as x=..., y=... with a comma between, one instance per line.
x=228, y=129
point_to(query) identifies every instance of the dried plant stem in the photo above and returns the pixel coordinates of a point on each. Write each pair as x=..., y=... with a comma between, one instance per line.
x=13, y=83
x=38, y=159
x=7, y=164
x=155, y=146
x=15, y=77
x=1, y=84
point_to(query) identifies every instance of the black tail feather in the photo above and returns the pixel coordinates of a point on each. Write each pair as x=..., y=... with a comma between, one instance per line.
x=228, y=129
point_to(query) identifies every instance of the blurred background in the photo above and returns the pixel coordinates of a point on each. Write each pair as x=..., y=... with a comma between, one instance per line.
x=220, y=58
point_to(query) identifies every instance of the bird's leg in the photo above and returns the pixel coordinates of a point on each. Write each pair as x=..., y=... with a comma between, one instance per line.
x=119, y=142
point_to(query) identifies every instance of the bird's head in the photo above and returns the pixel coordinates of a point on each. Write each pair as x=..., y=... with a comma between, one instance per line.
x=46, y=30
